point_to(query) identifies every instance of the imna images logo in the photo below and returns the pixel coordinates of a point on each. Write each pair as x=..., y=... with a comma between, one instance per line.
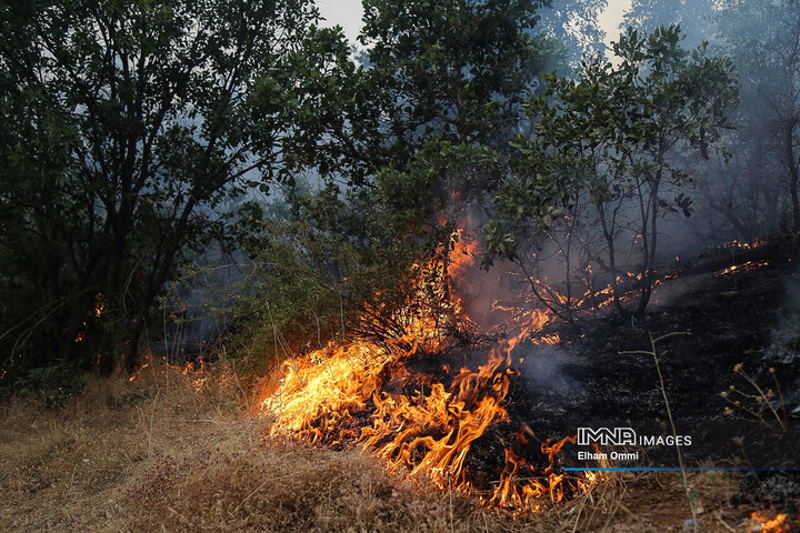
x=606, y=436
x=625, y=436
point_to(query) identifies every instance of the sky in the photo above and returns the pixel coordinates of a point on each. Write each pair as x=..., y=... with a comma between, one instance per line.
x=347, y=14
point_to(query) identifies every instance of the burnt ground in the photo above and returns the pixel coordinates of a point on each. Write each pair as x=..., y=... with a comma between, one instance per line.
x=748, y=317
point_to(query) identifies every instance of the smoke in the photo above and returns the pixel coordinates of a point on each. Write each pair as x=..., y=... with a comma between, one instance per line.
x=544, y=372
x=786, y=335
x=191, y=318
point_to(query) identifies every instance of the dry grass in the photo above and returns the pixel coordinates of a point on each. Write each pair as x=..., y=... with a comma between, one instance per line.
x=159, y=455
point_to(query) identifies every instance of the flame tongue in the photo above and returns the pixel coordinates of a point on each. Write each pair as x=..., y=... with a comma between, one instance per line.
x=405, y=428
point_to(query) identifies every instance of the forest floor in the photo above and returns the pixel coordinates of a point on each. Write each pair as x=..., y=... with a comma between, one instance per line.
x=175, y=452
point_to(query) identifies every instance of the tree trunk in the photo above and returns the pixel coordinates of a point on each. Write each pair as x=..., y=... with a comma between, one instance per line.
x=608, y=233
x=650, y=257
x=132, y=348
x=791, y=166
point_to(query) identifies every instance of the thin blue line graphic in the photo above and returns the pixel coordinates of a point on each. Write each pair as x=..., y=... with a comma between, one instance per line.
x=676, y=469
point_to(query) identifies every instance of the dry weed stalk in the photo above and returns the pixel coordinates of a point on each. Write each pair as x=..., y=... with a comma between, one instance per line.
x=653, y=352
x=761, y=401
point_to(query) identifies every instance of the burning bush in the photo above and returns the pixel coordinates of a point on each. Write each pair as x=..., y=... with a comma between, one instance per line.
x=399, y=396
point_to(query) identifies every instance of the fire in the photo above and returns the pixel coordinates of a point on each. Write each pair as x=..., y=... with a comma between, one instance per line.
x=376, y=395
x=196, y=371
x=744, y=267
x=460, y=413
x=522, y=492
x=99, y=306
x=462, y=256
x=764, y=522
x=592, y=298
x=743, y=245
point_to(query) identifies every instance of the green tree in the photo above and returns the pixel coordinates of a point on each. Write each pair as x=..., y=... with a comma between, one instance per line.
x=424, y=117
x=128, y=126
x=458, y=70
x=457, y=67
x=607, y=141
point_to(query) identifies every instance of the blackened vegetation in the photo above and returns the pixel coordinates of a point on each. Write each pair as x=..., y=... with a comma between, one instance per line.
x=746, y=316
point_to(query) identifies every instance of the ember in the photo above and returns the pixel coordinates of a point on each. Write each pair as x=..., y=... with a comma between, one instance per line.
x=743, y=245
x=744, y=267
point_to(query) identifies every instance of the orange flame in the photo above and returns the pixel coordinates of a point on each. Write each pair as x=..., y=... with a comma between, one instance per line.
x=765, y=522
x=368, y=393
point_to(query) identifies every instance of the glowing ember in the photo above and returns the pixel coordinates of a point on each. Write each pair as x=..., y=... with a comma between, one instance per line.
x=99, y=306
x=743, y=245
x=196, y=371
x=744, y=267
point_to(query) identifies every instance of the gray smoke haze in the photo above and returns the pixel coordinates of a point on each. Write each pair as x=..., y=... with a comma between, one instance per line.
x=543, y=371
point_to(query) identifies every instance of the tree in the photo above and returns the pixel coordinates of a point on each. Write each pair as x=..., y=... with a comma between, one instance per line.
x=441, y=86
x=607, y=141
x=458, y=70
x=697, y=18
x=763, y=38
x=422, y=119
x=127, y=128
x=574, y=24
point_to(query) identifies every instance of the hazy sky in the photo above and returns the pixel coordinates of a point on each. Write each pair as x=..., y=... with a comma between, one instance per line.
x=347, y=13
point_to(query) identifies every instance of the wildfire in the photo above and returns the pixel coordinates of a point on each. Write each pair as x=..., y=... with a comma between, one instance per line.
x=744, y=267
x=528, y=493
x=375, y=395
x=196, y=371
x=592, y=298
